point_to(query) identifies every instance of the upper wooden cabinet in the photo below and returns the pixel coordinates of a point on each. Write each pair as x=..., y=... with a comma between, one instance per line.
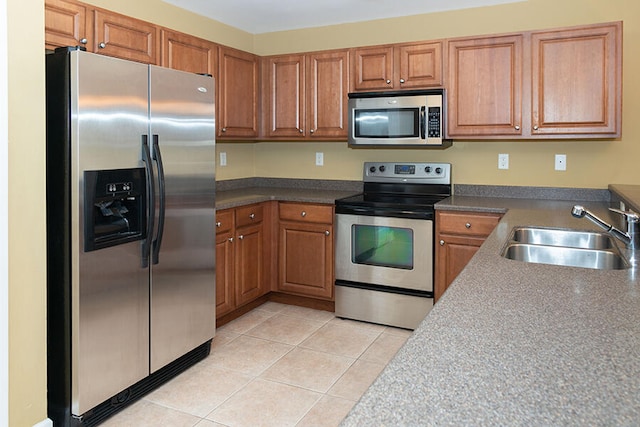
x=127, y=38
x=402, y=66
x=485, y=86
x=187, y=53
x=563, y=83
x=306, y=95
x=67, y=24
x=70, y=23
x=577, y=82
x=238, y=93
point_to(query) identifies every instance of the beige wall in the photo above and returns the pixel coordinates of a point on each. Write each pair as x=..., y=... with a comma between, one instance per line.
x=27, y=261
x=590, y=163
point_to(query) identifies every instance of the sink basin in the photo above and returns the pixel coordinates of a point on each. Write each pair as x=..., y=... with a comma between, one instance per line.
x=560, y=237
x=561, y=255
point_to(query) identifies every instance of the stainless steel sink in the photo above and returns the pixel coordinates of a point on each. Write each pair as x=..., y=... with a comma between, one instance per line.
x=575, y=248
x=561, y=237
x=560, y=255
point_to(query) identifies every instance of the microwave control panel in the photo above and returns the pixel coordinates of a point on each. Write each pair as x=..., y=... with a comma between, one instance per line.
x=433, y=122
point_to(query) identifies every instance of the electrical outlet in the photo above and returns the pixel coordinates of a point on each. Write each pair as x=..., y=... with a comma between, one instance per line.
x=503, y=161
x=561, y=162
x=223, y=159
x=319, y=159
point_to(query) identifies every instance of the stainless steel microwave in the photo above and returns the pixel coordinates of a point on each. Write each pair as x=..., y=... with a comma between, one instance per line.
x=413, y=118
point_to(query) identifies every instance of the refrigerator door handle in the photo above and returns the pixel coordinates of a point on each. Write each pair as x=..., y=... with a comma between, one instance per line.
x=146, y=158
x=157, y=156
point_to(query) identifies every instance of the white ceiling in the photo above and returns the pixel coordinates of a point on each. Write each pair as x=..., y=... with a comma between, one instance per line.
x=263, y=16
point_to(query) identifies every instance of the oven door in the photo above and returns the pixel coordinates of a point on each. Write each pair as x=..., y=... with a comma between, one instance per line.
x=385, y=251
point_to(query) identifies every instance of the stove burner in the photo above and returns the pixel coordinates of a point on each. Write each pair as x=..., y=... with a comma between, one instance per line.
x=404, y=190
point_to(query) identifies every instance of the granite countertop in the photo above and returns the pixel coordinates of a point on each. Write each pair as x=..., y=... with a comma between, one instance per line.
x=255, y=190
x=514, y=343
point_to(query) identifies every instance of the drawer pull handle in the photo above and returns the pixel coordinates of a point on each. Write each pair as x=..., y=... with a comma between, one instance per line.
x=441, y=242
x=218, y=224
x=326, y=233
x=303, y=214
x=252, y=215
x=468, y=225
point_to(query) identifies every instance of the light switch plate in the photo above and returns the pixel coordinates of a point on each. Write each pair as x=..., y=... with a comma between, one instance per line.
x=319, y=159
x=561, y=162
x=223, y=159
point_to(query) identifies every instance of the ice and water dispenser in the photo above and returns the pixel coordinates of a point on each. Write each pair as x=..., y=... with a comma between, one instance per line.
x=115, y=207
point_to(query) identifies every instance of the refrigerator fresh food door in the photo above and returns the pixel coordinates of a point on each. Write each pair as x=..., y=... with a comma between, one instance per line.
x=183, y=258
x=110, y=290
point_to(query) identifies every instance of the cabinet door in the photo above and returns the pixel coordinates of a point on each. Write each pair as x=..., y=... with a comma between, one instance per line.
x=419, y=65
x=372, y=68
x=126, y=38
x=225, y=297
x=453, y=253
x=576, y=88
x=237, y=112
x=306, y=259
x=485, y=86
x=67, y=24
x=249, y=263
x=187, y=53
x=327, y=88
x=286, y=96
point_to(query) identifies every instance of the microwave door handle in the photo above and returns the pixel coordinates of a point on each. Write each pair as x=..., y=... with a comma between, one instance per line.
x=423, y=122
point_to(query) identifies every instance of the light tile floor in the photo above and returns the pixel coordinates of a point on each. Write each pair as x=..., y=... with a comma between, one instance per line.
x=278, y=365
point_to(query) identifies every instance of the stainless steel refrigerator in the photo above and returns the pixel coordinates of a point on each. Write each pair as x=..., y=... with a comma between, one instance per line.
x=130, y=223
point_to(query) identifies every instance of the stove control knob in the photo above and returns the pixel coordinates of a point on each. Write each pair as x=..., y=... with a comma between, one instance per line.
x=382, y=168
x=427, y=169
x=438, y=171
x=372, y=169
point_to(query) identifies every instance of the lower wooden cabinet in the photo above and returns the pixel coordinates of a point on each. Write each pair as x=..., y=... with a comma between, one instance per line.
x=458, y=237
x=306, y=250
x=241, y=254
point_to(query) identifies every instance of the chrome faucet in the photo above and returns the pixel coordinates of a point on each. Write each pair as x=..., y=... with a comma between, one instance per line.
x=631, y=238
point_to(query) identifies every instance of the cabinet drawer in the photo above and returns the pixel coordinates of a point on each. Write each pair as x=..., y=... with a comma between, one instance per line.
x=306, y=212
x=466, y=223
x=248, y=215
x=224, y=221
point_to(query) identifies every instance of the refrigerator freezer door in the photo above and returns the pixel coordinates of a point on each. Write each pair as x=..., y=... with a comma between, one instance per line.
x=109, y=308
x=183, y=264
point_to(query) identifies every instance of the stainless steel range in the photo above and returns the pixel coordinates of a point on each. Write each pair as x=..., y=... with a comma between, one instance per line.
x=384, y=243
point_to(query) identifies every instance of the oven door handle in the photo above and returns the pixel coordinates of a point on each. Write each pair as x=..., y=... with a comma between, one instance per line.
x=423, y=122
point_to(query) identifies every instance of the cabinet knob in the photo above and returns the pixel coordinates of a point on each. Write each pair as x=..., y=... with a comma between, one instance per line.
x=301, y=130
x=326, y=233
x=535, y=127
x=468, y=225
x=224, y=129
x=388, y=82
x=102, y=45
x=83, y=40
x=311, y=130
x=231, y=239
x=401, y=80
x=218, y=224
x=441, y=242
x=241, y=237
x=303, y=214
x=252, y=215
x=517, y=127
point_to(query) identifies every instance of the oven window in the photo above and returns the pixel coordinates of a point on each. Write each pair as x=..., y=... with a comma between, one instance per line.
x=387, y=123
x=382, y=246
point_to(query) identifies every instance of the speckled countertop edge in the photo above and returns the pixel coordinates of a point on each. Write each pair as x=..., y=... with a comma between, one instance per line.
x=514, y=343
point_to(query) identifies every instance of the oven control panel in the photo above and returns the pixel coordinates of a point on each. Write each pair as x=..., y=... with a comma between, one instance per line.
x=433, y=173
